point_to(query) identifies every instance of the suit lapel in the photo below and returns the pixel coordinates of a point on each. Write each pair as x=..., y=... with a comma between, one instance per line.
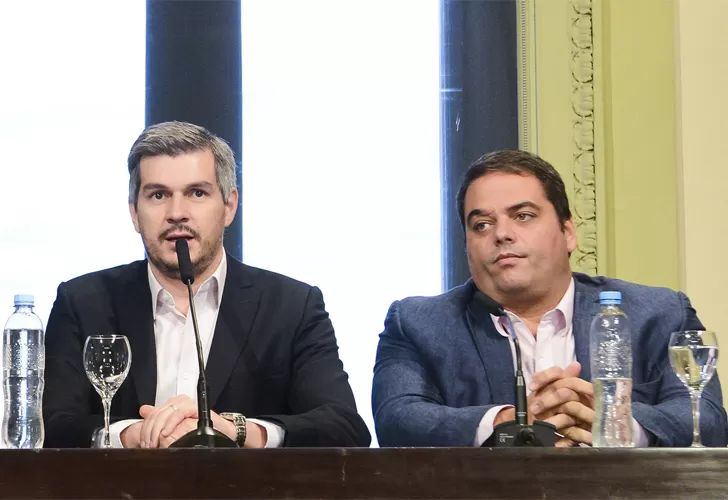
x=586, y=306
x=495, y=353
x=133, y=309
x=234, y=322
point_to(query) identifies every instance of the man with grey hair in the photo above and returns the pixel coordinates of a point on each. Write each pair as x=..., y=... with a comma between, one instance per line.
x=274, y=375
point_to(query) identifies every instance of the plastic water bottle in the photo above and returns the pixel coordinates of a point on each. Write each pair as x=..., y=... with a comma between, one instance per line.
x=23, y=370
x=611, y=368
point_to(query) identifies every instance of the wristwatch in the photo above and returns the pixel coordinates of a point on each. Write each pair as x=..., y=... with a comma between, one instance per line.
x=240, y=428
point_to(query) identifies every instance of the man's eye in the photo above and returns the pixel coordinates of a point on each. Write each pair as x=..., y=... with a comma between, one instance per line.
x=158, y=196
x=198, y=193
x=524, y=216
x=481, y=226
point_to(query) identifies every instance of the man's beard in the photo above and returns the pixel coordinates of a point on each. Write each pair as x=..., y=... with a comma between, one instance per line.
x=208, y=250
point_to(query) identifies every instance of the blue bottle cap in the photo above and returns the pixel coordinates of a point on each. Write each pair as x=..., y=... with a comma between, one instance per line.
x=24, y=300
x=610, y=297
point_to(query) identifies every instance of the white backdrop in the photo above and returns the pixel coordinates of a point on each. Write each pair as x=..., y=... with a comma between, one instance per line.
x=71, y=104
x=341, y=183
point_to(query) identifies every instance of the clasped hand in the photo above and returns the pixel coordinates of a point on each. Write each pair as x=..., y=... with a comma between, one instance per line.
x=165, y=424
x=559, y=397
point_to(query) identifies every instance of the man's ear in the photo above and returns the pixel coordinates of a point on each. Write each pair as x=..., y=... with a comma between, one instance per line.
x=231, y=207
x=134, y=216
x=570, y=234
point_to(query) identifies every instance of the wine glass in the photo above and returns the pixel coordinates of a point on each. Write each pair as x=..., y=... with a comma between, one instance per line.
x=693, y=356
x=106, y=359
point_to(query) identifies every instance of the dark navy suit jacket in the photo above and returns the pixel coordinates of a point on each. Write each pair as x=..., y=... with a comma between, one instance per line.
x=273, y=356
x=441, y=364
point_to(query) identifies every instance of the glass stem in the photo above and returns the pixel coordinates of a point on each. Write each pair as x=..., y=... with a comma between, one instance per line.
x=695, y=397
x=107, y=411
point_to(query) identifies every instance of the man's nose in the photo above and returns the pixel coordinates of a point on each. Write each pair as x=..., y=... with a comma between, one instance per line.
x=504, y=230
x=178, y=210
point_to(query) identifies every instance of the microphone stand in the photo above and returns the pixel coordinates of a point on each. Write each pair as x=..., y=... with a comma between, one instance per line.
x=519, y=432
x=205, y=436
x=516, y=432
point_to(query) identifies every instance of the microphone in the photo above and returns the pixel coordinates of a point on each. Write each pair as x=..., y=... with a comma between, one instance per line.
x=516, y=432
x=204, y=436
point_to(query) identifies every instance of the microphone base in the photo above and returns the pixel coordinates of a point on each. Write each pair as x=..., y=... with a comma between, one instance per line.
x=205, y=437
x=540, y=433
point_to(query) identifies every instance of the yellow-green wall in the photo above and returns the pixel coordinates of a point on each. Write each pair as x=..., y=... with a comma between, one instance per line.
x=638, y=101
x=702, y=102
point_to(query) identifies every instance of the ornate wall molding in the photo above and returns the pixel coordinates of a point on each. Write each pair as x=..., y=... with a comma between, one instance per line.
x=527, y=92
x=583, y=166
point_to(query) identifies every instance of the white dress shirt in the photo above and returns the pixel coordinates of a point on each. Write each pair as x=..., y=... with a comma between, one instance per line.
x=553, y=345
x=174, y=336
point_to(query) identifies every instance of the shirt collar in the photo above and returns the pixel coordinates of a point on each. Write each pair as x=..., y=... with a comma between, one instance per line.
x=216, y=282
x=565, y=307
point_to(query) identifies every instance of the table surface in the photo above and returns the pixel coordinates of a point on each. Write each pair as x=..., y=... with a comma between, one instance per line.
x=348, y=473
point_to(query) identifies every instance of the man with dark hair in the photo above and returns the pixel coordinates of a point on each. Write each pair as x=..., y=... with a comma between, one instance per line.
x=444, y=372
x=273, y=370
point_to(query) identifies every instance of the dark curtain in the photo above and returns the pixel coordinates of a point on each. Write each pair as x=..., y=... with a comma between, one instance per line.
x=478, y=104
x=194, y=74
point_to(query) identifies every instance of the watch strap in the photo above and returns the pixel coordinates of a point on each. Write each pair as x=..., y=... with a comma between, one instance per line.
x=238, y=419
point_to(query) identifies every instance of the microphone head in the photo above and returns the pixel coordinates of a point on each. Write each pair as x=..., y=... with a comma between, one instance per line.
x=488, y=304
x=186, y=270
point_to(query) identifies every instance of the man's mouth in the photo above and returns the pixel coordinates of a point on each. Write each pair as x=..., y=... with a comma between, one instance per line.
x=179, y=236
x=178, y=232
x=506, y=256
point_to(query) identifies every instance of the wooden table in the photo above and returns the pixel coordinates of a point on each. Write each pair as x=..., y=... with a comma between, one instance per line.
x=399, y=473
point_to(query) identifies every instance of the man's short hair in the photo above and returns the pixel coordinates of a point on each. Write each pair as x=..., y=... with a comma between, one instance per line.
x=521, y=163
x=177, y=138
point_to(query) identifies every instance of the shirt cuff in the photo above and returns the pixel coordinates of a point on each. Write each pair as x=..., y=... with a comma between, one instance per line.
x=276, y=434
x=485, y=428
x=640, y=438
x=115, y=430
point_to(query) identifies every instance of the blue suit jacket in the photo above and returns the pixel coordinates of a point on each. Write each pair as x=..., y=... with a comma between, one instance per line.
x=441, y=364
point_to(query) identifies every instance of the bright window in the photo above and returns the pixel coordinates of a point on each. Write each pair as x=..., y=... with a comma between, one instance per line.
x=341, y=179
x=72, y=103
